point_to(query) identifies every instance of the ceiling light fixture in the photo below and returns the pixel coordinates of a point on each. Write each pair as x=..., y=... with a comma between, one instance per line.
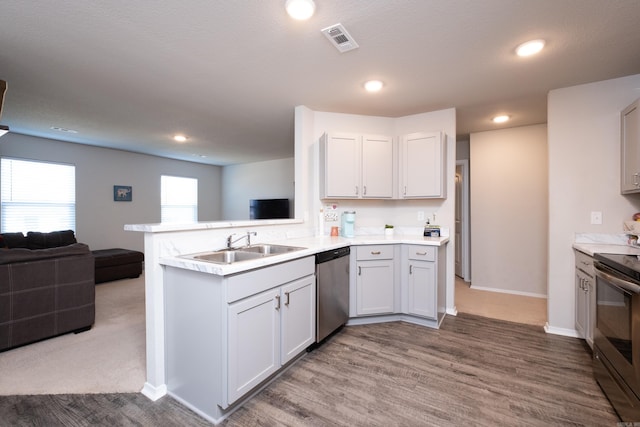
x=300, y=9
x=530, y=48
x=180, y=138
x=500, y=119
x=373, y=85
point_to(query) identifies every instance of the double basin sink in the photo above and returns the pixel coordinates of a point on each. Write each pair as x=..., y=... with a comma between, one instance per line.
x=246, y=253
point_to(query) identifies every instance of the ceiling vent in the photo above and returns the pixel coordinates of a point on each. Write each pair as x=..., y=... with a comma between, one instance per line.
x=340, y=38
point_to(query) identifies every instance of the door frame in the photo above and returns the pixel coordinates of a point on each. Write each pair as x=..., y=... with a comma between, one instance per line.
x=466, y=223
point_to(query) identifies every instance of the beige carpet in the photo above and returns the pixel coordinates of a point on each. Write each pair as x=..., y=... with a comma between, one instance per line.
x=498, y=305
x=109, y=358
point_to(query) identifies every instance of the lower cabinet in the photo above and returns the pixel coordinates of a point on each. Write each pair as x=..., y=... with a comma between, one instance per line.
x=375, y=280
x=266, y=331
x=585, y=297
x=421, y=282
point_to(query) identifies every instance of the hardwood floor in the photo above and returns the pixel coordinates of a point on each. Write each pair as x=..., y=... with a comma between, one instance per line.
x=473, y=371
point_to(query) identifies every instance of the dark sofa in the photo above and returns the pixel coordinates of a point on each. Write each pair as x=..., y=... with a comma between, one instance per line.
x=46, y=287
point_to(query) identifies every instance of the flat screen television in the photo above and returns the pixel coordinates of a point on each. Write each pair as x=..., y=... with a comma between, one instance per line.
x=268, y=208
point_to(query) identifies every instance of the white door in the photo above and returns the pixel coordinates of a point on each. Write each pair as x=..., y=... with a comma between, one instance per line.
x=375, y=287
x=254, y=342
x=422, y=289
x=458, y=223
x=298, y=317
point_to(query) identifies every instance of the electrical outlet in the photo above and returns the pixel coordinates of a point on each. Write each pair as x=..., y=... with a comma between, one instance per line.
x=420, y=215
x=330, y=216
x=596, y=217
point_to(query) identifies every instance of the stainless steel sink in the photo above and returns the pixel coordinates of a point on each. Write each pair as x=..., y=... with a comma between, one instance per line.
x=267, y=249
x=227, y=257
x=247, y=253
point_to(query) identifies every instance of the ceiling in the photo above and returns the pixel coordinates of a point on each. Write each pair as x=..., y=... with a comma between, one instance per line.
x=131, y=74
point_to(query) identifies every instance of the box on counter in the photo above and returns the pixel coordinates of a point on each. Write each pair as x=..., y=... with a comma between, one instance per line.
x=432, y=231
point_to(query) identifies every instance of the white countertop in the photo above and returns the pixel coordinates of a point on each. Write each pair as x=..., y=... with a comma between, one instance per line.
x=594, y=248
x=312, y=245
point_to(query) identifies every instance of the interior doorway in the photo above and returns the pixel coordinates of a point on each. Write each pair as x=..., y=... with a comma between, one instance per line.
x=462, y=228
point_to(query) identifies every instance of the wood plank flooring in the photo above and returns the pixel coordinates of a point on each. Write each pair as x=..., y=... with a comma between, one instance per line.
x=473, y=371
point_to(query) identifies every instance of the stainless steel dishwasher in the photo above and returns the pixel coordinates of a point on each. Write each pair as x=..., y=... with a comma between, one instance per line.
x=332, y=291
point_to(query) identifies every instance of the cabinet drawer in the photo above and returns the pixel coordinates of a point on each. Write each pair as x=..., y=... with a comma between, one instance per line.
x=584, y=262
x=364, y=253
x=422, y=253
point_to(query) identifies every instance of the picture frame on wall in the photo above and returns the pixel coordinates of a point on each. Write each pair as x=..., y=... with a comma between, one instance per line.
x=122, y=193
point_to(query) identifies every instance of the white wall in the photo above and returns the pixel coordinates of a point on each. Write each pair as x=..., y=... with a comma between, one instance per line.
x=509, y=195
x=272, y=179
x=584, y=176
x=99, y=220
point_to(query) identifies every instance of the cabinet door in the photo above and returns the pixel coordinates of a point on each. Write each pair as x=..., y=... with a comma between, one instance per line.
x=630, y=147
x=375, y=287
x=422, y=166
x=253, y=343
x=341, y=166
x=377, y=167
x=298, y=317
x=581, y=304
x=422, y=289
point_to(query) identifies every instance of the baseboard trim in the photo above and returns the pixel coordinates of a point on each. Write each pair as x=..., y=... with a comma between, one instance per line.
x=154, y=392
x=508, y=291
x=561, y=331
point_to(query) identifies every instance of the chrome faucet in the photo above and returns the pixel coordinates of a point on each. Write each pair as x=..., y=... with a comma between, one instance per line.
x=231, y=241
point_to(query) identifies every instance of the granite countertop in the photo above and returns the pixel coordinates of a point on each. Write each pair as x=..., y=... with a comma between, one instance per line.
x=311, y=245
x=594, y=248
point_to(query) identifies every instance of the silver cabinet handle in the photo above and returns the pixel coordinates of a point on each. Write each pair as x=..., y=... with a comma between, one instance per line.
x=359, y=271
x=375, y=252
x=364, y=190
x=286, y=302
x=356, y=190
x=410, y=268
x=421, y=253
x=405, y=190
x=278, y=302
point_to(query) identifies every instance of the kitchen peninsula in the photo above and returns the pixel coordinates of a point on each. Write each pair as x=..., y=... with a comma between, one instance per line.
x=192, y=360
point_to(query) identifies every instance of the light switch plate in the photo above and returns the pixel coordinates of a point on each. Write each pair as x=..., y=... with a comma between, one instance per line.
x=596, y=217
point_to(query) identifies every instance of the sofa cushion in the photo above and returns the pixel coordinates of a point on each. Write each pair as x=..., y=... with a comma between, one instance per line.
x=54, y=239
x=26, y=255
x=14, y=240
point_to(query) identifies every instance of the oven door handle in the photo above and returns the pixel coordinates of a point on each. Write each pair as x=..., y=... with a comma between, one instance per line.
x=618, y=282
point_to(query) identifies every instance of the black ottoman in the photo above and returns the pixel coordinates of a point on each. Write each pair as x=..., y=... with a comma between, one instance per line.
x=116, y=264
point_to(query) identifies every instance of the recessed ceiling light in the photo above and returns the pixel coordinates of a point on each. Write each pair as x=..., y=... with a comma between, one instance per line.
x=180, y=138
x=373, y=85
x=530, y=48
x=300, y=9
x=500, y=119
x=61, y=129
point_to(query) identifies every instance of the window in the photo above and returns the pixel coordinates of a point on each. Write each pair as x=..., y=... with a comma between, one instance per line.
x=37, y=196
x=178, y=199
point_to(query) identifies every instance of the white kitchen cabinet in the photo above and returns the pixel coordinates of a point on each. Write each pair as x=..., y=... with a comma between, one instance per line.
x=375, y=280
x=227, y=335
x=268, y=330
x=298, y=311
x=422, y=166
x=356, y=166
x=630, y=149
x=254, y=342
x=421, y=281
x=585, y=296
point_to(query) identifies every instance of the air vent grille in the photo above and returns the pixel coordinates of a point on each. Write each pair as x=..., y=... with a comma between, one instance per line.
x=340, y=38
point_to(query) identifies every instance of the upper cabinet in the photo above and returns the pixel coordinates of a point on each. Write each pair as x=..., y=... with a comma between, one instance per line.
x=364, y=166
x=356, y=166
x=422, y=166
x=630, y=149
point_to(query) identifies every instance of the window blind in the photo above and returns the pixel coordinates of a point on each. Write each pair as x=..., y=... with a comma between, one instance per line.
x=178, y=199
x=37, y=196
